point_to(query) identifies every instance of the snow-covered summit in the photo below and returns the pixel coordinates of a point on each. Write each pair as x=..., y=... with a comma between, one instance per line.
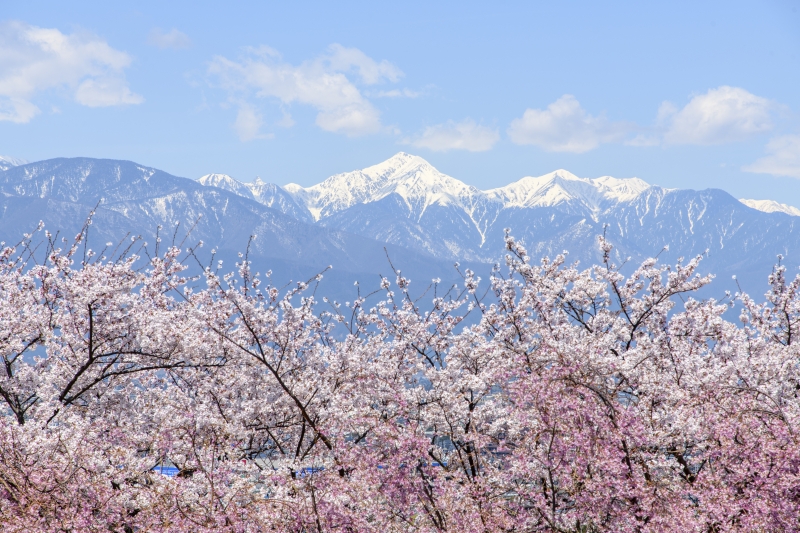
x=223, y=181
x=563, y=186
x=415, y=180
x=268, y=194
x=621, y=189
x=420, y=185
x=7, y=162
x=771, y=206
x=405, y=201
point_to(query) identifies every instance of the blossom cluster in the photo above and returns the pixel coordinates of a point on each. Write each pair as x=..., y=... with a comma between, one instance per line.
x=551, y=399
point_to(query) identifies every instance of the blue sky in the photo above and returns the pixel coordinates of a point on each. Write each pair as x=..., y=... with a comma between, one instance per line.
x=681, y=94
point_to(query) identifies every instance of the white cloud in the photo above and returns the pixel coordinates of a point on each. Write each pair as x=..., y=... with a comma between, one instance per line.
x=286, y=121
x=321, y=83
x=397, y=93
x=565, y=127
x=174, y=38
x=644, y=139
x=105, y=92
x=341, y=59
x=722, y=115
x=35, y=59
x=782, y=159
x=17, y=110
x=248, y=122
x=464, y=135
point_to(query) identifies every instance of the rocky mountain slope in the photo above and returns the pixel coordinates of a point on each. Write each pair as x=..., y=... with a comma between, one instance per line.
x=424, y=219
x=407, y=202
x=131, y=200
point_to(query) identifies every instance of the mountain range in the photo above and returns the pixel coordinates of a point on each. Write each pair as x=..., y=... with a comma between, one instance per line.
x=405, y=208
x=406, y=201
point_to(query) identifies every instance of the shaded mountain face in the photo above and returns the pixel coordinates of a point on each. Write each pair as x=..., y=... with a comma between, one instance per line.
x=407, y=202
x=132, y=200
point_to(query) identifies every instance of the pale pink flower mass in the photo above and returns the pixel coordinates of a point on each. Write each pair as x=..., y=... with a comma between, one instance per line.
x=568, y=400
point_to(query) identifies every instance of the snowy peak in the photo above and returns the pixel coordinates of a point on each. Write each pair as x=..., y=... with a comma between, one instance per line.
x=227, y=183
x=771, y=206
x=397, y=167
x=563, y=186
x=550, y=189
x=215, y=180
x=7, y=162
x=622, y=190
x=420, y=185
x=267, y=194
x=415, y=180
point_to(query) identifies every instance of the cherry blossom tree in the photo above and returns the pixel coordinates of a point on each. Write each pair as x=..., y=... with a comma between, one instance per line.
x=551, y=398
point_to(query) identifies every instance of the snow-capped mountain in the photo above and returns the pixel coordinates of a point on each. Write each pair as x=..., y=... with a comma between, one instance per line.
x=407, y=202
x=268, y=194
x=227, y=183
x=410, y=177
x=419, y=185
x=132, y=199
x=7, y=162
x=771, y=206
x=563, y=186
x=425, y=219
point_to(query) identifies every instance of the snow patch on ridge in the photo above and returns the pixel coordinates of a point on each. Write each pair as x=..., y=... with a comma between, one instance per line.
x=7, y=162
x=268, y=194
x=563, y=186
x=771, y=206
x=223, y=181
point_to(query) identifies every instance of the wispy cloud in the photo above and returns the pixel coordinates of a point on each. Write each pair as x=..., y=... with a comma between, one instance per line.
x=33, y=60
x=248, y=123
x=396, y=93
x=782, y=159
x=326, y=83
x=565, y=126
x=173, y=38
x=722, y=115
x=464, y=135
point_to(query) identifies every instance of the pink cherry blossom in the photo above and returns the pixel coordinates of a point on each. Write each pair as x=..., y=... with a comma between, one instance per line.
x=564, y=400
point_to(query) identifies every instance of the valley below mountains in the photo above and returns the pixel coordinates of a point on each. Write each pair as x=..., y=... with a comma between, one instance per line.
x=403, y=208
